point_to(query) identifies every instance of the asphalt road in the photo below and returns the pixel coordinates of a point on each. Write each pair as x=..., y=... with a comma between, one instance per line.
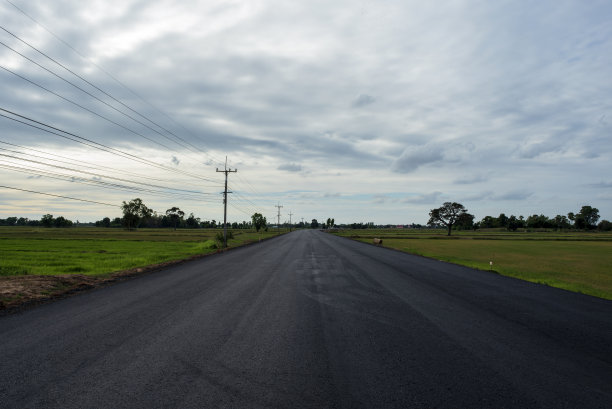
x=309, y=320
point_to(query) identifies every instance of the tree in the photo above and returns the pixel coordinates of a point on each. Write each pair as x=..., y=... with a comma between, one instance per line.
x=502, y=220
x=192, y=222
x=589, y=216
x=539, y=222
x=465, y=222
x=447, y=214
x=259, y=221
x=514, y=223
x=561, y=222
x=47, y=220
x=605, y=225
x=134, y=212
x=314, y=224
x=488, y=222
x=62, y=222
x=175, y=215
x=105, y=222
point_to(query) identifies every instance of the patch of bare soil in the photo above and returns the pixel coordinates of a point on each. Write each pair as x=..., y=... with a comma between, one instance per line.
x=17, y=290
x=22, y=291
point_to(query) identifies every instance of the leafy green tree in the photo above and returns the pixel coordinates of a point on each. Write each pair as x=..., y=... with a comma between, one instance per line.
x=588, y=217
x=10, y=221
x=488, y=222
x=314, y=224
x=539, y=222
x=502, y=220
x=561, y=222
x=259, y=221
x=105, y=222
x=514, y=223
x=47, y=220
x=605, y=225
x=175, y=215
x=447, y=214
x=134, y=212
x=61, y=221
x=192, y=222
x=465, y=222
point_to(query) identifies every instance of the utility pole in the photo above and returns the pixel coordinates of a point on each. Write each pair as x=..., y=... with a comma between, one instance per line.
x=225, y=192
x=290, y=214
x=278, y=220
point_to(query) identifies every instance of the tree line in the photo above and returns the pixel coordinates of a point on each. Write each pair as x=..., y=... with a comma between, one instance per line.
x=454, y=216
x=46, y=221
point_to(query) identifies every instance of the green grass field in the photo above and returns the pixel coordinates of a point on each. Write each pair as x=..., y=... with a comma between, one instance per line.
x=101, y=251
x=575, y=261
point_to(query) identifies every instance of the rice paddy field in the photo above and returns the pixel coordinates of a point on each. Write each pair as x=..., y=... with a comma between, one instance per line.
x=102, y=251
x=574, y=261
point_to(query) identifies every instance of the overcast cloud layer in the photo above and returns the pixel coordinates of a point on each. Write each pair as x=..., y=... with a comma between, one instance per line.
x=361, y=111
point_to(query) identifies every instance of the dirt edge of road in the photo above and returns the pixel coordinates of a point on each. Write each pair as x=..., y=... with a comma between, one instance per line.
x=20, y=292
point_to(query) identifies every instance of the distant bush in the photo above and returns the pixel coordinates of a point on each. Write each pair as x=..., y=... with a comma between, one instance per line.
x=209, y=244
x=219, y=236
x=605, y=225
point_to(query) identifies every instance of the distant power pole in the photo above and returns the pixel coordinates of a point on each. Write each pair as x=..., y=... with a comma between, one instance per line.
x=290, y=214
x=225, y=192
x=278, y=221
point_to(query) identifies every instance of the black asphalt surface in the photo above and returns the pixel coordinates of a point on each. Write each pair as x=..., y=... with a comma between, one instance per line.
x=310, y=320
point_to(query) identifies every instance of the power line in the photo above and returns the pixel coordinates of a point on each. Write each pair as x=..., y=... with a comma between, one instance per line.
x=83, y=107
x=88, y=142
x=217, y=160
x=97, y=88
x=100, y=183
x=102, y=176
x=63, y=197
x=72, y=161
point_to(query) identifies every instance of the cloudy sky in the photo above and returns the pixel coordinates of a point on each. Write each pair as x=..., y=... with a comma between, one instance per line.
x=357, y=110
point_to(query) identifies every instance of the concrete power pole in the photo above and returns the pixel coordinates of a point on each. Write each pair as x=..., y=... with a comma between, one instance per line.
x=290, y=214
x=225, y=192
x=278, y=221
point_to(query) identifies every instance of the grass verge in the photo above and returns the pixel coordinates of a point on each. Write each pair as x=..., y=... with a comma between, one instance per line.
x=38, y=263
x=579, y=262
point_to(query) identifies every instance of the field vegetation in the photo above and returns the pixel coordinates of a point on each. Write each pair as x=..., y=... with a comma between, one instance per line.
x=89, y=254
x=572, y=260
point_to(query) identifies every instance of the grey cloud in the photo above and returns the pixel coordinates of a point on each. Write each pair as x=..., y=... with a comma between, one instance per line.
x=536, y=149
x=414, y=157
x=514, y=195
x=363, y=100
x=379, y=199
x=471, y=180
x=290, y=167
x=329, y=195
x=175, y=160
x=475, y=197
x=602, y=185
x=430, y=198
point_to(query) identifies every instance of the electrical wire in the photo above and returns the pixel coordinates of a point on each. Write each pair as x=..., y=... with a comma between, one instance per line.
x=96, y=145
x=99, y=89
x=60, y=196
